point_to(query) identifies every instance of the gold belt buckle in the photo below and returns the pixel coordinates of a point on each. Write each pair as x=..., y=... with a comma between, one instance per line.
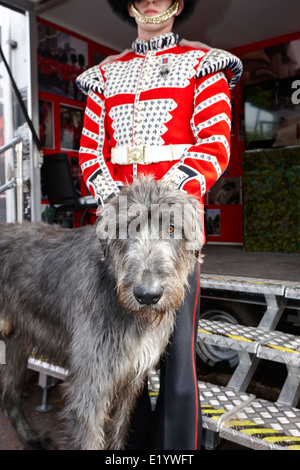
x=135, y=155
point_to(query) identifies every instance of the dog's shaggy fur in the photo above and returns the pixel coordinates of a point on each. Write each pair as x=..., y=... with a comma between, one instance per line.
x=103, y=306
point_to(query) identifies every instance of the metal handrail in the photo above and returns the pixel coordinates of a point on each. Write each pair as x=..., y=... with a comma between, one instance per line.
x=18, y=179
x=14, y=142
x=10, y=184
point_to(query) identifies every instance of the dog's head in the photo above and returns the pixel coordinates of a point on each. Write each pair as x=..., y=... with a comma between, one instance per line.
x=150, y=235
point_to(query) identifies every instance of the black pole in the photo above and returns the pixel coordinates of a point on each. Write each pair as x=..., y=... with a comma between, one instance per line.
x=21, y=102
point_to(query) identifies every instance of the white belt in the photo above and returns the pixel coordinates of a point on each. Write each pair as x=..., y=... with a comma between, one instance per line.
x=144, y=155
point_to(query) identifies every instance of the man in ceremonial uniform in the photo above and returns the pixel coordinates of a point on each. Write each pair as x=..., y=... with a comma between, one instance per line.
x=161, y=108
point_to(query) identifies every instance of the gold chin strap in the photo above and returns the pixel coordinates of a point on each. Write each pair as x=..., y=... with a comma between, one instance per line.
x=158, y=18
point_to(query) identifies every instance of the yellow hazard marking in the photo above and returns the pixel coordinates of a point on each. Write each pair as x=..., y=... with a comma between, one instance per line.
x=251, y=428
x=282, y=348
x=239, y=338
x=228, y=335
x=200, y=330
x=256, y=429
x=275, y=439
x=209, y=410
x=42, y=358
x=240, y=281
x=153, y=393
x=240, y=423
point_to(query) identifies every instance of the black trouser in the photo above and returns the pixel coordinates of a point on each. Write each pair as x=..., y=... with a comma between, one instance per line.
x=176, y=422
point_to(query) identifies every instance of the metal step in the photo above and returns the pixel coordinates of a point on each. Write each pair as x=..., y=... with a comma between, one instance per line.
x=251, y=422
x=242, y=418
x=273, y=345
x=233, y=415
x=218, y=403
x=42, y=365
x=282, y=348
x=264, y=425
x=251, y=285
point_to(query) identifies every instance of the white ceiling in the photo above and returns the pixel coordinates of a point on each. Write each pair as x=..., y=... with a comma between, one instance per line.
x=219, y=23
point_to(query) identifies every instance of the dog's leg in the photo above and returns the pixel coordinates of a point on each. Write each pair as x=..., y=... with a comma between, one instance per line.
x=98, y=418
x=86, y=418
x=13, y=375
x=97, y=426
x=118, y=428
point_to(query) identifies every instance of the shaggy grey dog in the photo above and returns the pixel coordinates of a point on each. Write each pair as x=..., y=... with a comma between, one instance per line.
x=101, y=301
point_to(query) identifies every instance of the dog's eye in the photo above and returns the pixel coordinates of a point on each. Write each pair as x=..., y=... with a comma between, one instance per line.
x=171, y=229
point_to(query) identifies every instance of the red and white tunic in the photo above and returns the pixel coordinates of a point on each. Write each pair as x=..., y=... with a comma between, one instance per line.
x=161, y=108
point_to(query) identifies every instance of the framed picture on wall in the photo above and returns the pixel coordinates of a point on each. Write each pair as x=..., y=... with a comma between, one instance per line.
x=71, y=121
x=212, y=220
x=46, y=129
x=225, y=191
x=271, y=115
x=61, y=58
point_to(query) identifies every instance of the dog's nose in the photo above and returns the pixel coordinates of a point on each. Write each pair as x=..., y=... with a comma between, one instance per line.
x=148, y=295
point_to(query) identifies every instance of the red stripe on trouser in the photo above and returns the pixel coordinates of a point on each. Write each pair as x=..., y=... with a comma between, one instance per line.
x=194, y=362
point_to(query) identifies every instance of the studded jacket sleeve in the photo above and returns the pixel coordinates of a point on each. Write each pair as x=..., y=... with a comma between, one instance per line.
x=203, y=163
x=189, y=107
x=94, y=154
